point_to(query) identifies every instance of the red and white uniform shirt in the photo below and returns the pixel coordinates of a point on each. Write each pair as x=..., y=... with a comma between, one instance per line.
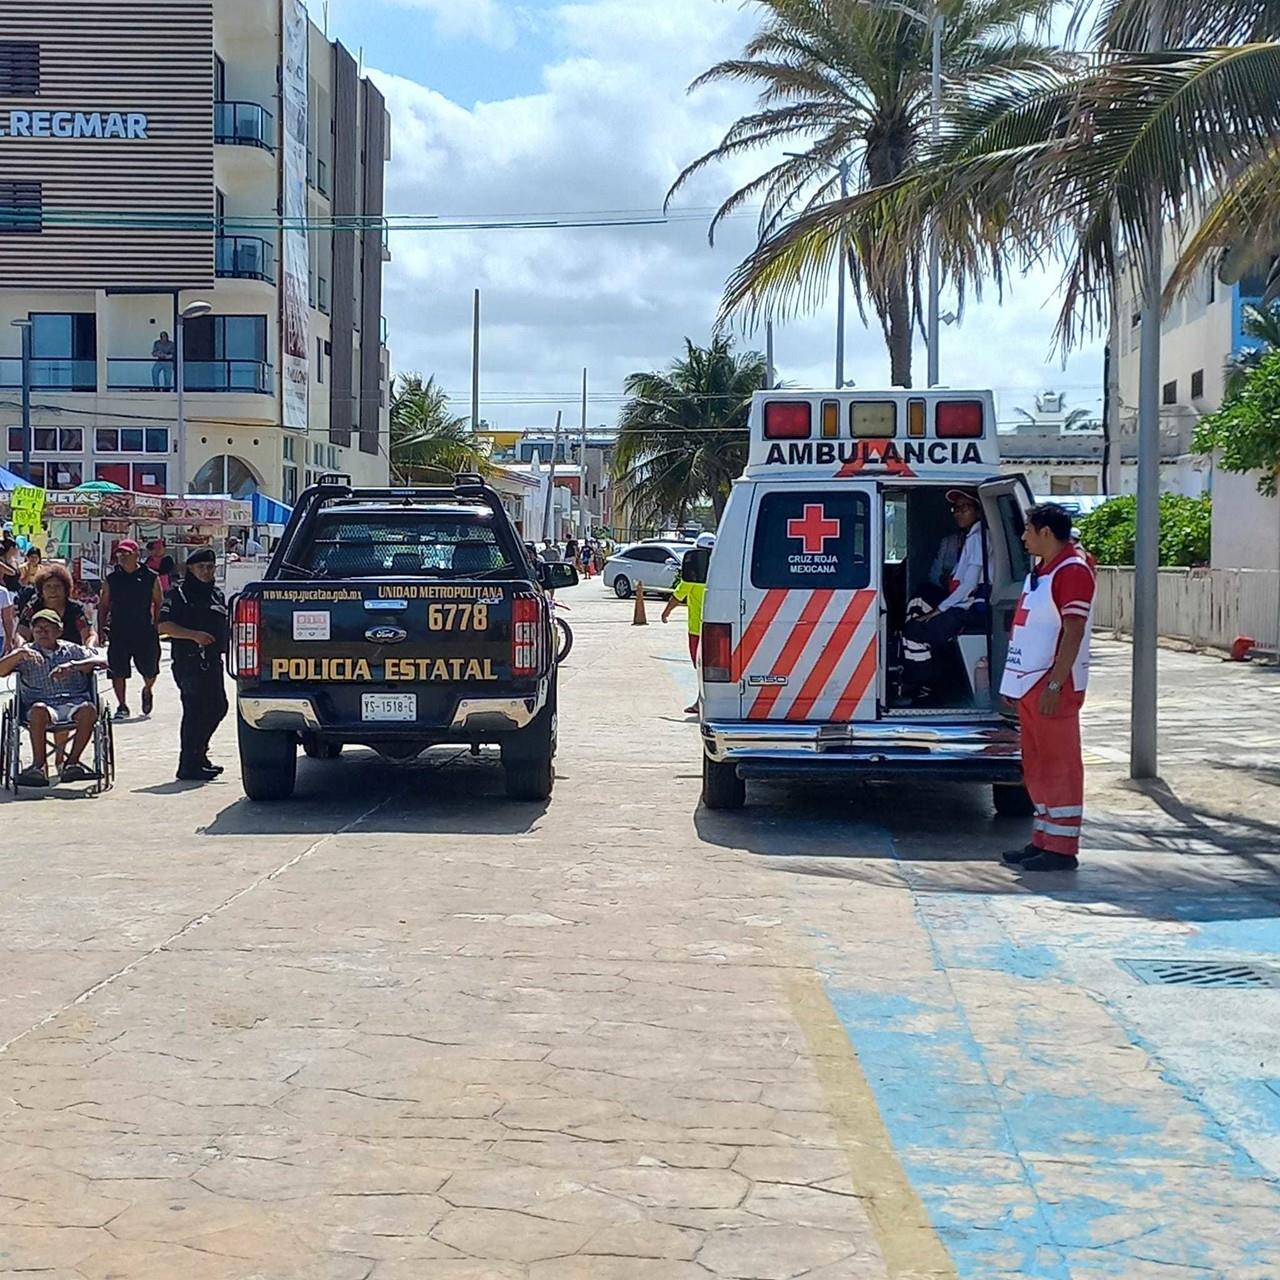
x=1063, y=588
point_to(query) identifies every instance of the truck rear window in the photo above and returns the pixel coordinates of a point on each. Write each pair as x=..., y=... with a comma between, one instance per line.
x=403, y=544
x=813, y=539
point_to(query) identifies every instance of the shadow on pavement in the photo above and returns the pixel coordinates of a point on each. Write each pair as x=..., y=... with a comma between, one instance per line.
x=1189, y=865
x=445, y=793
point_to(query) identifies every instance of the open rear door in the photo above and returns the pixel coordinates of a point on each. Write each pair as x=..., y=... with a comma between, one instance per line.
x=1005, y=503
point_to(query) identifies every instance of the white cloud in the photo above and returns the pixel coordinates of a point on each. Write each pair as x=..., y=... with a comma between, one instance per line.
x=609, y=129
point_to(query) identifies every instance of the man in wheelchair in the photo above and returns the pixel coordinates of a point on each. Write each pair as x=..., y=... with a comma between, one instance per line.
x=56, y=696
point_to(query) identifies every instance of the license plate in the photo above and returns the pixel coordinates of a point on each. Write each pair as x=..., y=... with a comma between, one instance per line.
x=389, y=706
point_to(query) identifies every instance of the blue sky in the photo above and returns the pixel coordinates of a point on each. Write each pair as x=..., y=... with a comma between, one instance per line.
x=537, y=106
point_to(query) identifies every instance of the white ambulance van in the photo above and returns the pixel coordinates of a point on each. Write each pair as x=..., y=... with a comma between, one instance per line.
x=827, y=537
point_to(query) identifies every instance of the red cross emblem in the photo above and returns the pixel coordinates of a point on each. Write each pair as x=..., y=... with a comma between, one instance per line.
x=813, y=529
x=1023, y=613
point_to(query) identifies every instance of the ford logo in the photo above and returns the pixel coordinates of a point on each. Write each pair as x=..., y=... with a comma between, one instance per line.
x=386, y=635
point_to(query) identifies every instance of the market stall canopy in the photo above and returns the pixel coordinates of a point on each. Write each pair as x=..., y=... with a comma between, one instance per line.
x=9, y=481
x=269, y=511
x=98, y=486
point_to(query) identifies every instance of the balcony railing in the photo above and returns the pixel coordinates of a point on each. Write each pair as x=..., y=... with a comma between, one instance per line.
x=51, y=375
x=244, y=258
x=244, y=376
x=243, y=124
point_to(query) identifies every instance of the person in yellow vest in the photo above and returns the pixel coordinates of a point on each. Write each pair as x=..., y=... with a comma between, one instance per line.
x=691, y=591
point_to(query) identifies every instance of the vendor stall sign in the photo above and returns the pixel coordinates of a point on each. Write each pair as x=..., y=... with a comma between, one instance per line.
x=28, y=507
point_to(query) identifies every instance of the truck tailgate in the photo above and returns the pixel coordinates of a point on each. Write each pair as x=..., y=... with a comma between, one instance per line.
x=439, y=641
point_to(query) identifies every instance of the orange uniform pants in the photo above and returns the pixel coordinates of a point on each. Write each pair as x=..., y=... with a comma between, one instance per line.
x=1053, y=769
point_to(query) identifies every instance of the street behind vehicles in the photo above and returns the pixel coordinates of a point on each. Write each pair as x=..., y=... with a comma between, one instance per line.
x=399, y=619
x=655, y=565
x=826, y=538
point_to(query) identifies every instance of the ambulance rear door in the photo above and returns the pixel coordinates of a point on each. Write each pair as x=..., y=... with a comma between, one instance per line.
x=1005, y=503
x=808, y=648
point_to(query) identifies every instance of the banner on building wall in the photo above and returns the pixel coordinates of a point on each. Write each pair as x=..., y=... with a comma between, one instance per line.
x=295, y=338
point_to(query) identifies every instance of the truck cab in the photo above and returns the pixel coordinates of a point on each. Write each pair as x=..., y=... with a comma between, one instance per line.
x=826, y=541
x=397, y=619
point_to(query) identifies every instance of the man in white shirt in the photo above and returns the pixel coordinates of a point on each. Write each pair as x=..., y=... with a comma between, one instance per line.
x=928, y=632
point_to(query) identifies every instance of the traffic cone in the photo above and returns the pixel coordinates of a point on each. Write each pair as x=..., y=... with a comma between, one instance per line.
x=637, y=618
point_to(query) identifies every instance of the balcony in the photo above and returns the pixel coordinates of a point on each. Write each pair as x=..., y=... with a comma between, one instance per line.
x=253, y=377
x=243, y=124
x=50, y=375
x=244, y=258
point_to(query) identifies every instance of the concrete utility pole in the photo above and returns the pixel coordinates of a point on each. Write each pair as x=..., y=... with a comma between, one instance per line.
x=583, y=522
x=768, y=355
x=840, y=291
x=475, y=364
x=935, y=267
x=549, y=503
x=1144, y=744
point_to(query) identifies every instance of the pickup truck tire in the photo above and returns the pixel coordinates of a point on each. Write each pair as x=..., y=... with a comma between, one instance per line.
x=1012, y=801
x=721, y=786
x=528, y=757
x=268, y=762
x=622, y=587
x=319, y=750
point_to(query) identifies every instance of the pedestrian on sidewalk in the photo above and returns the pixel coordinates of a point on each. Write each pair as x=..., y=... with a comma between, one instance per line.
x=1047, y=674
x=691, y=591
x=128, y=611
x=194, y=617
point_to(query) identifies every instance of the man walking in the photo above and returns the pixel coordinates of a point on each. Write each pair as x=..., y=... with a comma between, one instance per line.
x=194, y=617
x=1047, y=674
x=128, y=610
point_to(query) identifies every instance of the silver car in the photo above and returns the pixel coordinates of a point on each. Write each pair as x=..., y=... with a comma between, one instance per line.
x=653, y=564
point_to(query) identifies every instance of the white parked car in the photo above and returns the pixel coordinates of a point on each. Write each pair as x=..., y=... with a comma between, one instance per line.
x=653, y=564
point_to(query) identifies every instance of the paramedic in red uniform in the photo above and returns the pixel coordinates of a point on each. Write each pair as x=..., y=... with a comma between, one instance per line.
x=1046, y=675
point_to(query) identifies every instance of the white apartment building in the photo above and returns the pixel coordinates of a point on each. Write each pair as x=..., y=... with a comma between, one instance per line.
x=246, y=131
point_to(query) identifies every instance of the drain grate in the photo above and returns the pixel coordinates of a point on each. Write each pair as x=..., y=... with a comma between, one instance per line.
x=1166, y=972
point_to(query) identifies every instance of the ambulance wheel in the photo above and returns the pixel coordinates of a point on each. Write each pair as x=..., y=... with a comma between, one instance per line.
x=1012, y=801
x=721, y=786
x=622, y=587
x=268, y=762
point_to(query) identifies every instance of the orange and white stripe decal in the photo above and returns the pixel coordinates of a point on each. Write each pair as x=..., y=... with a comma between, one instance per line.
x=829, y=659
x=756, y=630
x=860, y=682
x=793, y=647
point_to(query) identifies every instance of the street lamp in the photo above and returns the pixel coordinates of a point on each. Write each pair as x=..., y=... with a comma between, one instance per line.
x=189, y=312
x=25, y=326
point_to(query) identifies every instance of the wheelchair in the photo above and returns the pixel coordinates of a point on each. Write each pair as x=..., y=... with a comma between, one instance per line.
x=13, y=730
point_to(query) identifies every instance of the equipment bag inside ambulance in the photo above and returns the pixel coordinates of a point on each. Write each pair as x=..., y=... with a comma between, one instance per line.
x=845, y=530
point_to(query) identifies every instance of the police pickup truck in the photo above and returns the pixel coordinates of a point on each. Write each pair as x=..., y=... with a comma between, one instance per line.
x=398, y=619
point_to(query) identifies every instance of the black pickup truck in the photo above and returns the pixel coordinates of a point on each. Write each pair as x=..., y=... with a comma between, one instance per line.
x=399, y=619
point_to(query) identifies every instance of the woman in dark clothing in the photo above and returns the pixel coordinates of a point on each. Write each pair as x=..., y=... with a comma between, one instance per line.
x=53, y=591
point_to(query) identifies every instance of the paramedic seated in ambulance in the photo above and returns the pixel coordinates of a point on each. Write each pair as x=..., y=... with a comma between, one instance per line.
x=933, y=623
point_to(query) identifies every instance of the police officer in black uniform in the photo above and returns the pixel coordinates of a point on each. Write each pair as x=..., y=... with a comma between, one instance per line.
x=194, y=617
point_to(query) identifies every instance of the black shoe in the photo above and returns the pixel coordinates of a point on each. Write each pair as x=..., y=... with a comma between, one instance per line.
x=215, y=769
x=122, y=712
x=1051, y=862
x=196, y=775
x=1016, y=857
x=148, y=701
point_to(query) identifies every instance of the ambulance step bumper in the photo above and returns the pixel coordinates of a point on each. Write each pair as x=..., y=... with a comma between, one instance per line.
x=977, y=751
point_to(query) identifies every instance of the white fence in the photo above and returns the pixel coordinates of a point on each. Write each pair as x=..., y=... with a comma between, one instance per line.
x=1204, y=607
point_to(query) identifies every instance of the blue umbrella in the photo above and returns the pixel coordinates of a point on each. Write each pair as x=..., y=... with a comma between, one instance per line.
x=9, y=481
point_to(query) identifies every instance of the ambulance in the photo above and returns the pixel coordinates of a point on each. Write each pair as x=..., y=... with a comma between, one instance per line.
x=825, y=541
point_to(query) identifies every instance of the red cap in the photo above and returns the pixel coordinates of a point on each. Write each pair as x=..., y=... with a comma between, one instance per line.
x=127, y=544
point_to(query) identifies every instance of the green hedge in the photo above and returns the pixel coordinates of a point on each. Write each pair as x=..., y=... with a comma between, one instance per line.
x=1185, y=525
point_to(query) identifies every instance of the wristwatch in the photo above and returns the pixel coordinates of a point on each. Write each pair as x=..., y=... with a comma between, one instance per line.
x=1055, y=686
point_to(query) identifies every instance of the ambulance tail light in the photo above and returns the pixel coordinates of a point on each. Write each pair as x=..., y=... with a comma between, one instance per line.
x=958, y=419
x=717, y=652
x=788, y=420
x=244, y=636
x=526, y=636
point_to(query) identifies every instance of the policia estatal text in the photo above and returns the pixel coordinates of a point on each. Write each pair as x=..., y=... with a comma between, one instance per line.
x=194, y=617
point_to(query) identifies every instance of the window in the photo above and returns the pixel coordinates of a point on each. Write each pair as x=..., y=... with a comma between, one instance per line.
x=128, y=439
x=290, y=494
x=816, y=539
x=49, y=439
x=157, y=439
x=447, y=543
x=286, y=449
x=225, y=338
x=57, y=474
x=19, y=69
x=1170, y=393
x=648, y=555
x=21, y=208
x=149, y=477
x=72, y=336
x=320, y=360
x=1197, y=385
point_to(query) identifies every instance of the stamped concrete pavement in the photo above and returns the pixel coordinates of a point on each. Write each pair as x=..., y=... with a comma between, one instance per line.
x=403, y=1027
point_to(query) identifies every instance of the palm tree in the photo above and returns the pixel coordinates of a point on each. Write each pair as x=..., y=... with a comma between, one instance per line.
x=428, y=443
x=849, y=82
x=1262, y=324
x=682, y=434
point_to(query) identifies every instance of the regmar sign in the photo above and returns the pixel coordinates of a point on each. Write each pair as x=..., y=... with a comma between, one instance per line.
x=127, y=125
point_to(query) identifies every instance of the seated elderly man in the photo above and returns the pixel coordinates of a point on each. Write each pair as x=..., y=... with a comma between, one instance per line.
x=55, y=694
